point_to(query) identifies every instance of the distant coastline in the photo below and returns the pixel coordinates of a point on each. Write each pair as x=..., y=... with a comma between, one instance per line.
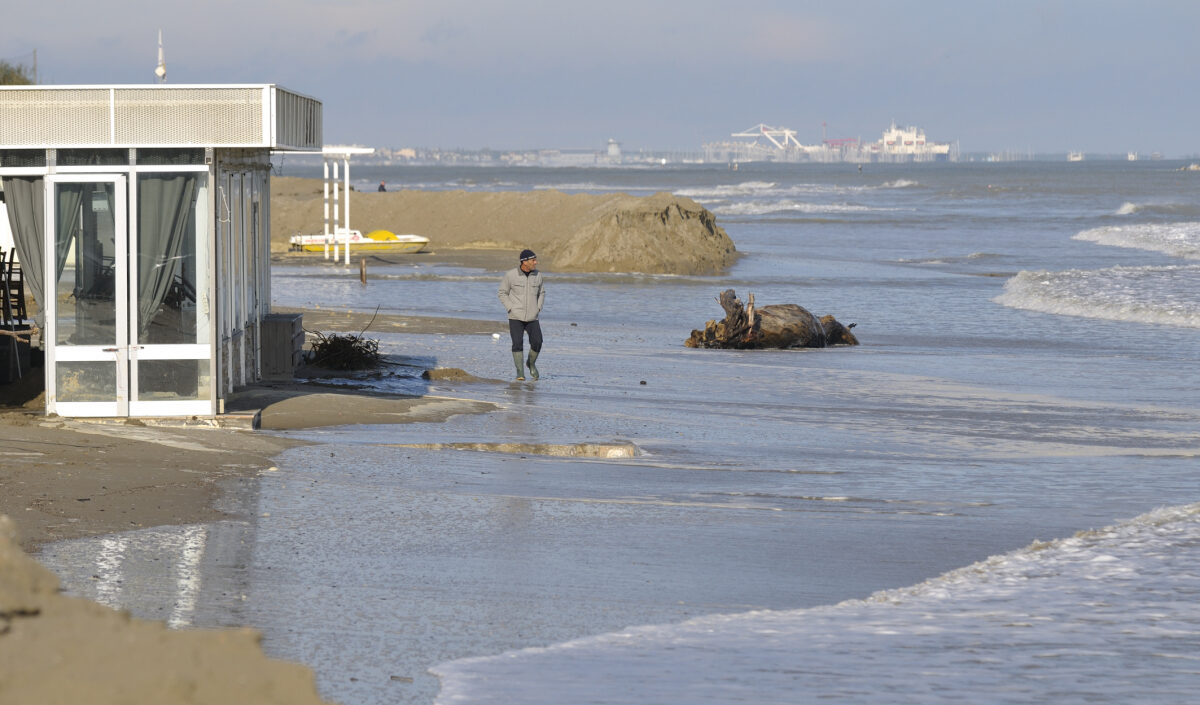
x=597, y=158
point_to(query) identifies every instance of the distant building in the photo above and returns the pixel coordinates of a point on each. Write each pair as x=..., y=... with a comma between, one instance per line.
x=613, y=155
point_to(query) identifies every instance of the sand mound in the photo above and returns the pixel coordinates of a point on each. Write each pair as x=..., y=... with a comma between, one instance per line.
x=56, y=649
x=659, y=234
x=451, y=374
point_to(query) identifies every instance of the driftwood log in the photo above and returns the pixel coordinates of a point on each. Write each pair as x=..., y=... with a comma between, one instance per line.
x=775, y=326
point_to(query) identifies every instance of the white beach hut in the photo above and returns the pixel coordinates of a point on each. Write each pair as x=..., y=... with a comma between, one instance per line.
x=141, y=219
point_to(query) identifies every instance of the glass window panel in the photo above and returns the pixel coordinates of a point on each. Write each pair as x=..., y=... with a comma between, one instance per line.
x=85, y=381
x=203, y=271
x=22, y=157
x=166, y=157
x=173, y=380
x=171, y=269
x=85, y=244
x=93, y=157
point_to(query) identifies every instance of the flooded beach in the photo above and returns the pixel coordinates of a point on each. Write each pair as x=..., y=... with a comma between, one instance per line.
x=1023, y=376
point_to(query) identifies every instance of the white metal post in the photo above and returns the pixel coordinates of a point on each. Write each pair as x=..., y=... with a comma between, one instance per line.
x=335, y=210
x=326, y=202
x=346, y=176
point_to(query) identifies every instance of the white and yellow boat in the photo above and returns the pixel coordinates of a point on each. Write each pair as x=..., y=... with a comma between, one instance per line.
x=374, y=241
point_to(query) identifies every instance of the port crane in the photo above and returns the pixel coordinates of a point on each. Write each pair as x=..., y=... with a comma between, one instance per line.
x=773, y=134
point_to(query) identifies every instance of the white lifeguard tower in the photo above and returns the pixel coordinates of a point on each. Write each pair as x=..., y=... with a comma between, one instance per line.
x=141, y=218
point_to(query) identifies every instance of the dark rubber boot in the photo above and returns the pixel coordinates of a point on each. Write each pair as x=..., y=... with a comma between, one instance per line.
x=532, y=358
x=520, y=366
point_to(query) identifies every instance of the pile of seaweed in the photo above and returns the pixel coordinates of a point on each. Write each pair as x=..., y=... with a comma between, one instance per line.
x=338, y=351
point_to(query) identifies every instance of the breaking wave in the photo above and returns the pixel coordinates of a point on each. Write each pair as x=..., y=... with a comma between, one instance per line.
x=999, y=630
x=1167, y=295
x=1173, y=209
x=787, y=206
x=1175, y=239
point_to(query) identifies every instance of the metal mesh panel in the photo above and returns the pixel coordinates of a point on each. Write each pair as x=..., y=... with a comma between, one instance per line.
x=54, y=117
x=190, y=116
x=297, y=121
x=165, y=116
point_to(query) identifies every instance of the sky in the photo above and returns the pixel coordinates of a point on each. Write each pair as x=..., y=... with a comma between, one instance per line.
x=1097, y=76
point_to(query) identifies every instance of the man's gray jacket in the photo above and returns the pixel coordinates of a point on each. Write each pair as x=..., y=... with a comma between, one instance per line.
x=522, y=294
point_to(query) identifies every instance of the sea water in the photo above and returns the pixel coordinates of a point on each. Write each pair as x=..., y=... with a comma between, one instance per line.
x=992, y=499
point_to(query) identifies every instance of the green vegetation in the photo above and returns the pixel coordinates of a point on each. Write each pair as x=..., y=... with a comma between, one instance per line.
x=14, y=74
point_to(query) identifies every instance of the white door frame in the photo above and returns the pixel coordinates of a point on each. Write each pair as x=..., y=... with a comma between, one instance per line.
x=116, y=351
x=125, y=351
x=202, y=351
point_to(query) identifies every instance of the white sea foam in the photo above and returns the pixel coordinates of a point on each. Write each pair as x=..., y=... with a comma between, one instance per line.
x=1131, y=208
x=1165, y=295
x=746, y=188
x=1175, y=239
x=771, y=189
x=595, y=187
x=1104, y=616
x=787, y=206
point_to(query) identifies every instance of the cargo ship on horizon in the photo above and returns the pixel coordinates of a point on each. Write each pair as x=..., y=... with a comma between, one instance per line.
x=775, y=144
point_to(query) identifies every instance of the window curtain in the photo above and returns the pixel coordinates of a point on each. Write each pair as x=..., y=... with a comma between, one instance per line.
x=164, y=209
x=25, y=198
x=68, y=227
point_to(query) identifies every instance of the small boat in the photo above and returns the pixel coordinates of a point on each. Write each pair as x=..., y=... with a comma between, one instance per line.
x=374, y=241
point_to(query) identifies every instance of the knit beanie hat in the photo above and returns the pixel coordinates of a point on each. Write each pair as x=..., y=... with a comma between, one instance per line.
x=527, y=255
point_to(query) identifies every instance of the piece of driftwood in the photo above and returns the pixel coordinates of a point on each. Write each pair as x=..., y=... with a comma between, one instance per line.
x=746, y=327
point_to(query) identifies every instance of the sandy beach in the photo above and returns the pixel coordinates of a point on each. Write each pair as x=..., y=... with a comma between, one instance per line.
x=613, y=232
x=68, y=479
x=65, y=479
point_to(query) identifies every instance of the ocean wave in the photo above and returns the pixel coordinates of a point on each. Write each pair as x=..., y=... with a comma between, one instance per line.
x=769, y=207
x=593, y=187
x=1175, y=239
x=724, y=191
x=1166, y=295
x=1130, y=208
x=973, y=257
x=764, y=189
x=1107, y=615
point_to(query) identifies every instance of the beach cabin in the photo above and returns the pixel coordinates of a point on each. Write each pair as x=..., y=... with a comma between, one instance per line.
x=140, y=217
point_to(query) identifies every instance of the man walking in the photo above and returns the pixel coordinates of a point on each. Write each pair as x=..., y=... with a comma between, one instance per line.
x=522, y=294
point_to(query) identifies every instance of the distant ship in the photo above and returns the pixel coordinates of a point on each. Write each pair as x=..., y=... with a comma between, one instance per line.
x=779, y=144
x=907, y=143
x=1074, y=156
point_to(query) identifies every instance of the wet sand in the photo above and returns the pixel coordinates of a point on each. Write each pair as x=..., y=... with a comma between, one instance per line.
x=64, y=479
x=58, y=649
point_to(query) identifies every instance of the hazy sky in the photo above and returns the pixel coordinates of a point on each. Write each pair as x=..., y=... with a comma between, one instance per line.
x=1094, y=75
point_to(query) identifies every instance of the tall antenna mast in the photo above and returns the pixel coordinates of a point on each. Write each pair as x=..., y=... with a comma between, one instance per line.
x=161, y=69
